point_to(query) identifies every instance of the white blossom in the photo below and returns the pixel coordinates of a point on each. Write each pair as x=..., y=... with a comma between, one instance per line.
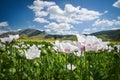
x=9, y=39
x=14, y=37
x=71, y=67
x=6, y=40
x=33, y=52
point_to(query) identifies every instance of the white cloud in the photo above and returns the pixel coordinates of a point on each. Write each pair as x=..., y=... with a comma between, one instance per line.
x=48, y=30
x=103, y=23
x=86, y=31
x=61, y=20
x=89, y=30
x=60, y=28
x=71, y=9
x=41, y=20
x=117, y=22
x=106, y=23
x=4, y=24
x=39, y=8
x=39, y=5
x=117, y=4
x=115, y=28
x=72, y=14
x=55, y=10
x=41, y=13
x=85, y=14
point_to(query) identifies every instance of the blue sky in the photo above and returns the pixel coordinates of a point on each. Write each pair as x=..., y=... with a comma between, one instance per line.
x=60, y=16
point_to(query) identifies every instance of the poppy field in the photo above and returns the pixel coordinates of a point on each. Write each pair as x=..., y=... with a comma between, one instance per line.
x=88, y=58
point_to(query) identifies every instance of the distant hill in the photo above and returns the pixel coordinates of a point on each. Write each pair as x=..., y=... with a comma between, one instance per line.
x=109, y=35
x=24, y=33
x=37, y=34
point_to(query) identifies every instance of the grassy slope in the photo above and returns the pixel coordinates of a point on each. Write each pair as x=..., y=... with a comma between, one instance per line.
x=110, y=35
x=33, y=34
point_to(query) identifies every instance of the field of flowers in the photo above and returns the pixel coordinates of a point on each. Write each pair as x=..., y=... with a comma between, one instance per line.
x=89, y=58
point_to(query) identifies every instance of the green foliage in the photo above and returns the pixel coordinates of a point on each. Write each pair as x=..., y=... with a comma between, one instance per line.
x=52, y=65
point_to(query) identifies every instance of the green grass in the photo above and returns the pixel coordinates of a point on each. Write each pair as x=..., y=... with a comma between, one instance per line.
x=52, y=65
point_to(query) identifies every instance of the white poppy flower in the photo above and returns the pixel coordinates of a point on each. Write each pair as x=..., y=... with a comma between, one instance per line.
x=118, y=47
x=80, y=38
x=65, y=46
x=14, y=37
x=32, y=52
x=6, y=40
x=79, y=53
x=9, y=39
x=91, y=43
x=71, y=67
x=110, y=49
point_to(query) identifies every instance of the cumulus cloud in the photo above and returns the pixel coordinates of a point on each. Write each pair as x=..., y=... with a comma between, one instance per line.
x=41, y=13
x=117, y=4
x=39, y=9
x=61, y=16
x=117, y=22
x=39, y=5
x=103, y=23
x=60, y=28
x=106, y=23
x=41, y=20
x=4, y=24
x=86, y=31
x=61, y=20
x=89, y=30
x=69, y=14
x=48, y=30
x=72, y=14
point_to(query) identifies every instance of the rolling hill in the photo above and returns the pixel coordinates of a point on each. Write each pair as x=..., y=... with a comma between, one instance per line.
x=27, y=33
x=37, y=35
x=109, y=35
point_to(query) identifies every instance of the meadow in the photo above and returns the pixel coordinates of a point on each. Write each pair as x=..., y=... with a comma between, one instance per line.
x=58, y=60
